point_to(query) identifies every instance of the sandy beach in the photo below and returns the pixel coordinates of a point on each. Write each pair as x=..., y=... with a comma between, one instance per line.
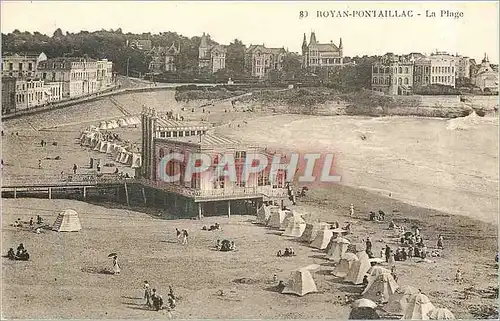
x=454, y=183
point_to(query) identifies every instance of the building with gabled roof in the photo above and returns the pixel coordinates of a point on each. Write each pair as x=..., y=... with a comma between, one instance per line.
x=319, y=55
x=211, y=57
x=209, y=192
x=163, y=58
x=486, y=77
x=259, y=60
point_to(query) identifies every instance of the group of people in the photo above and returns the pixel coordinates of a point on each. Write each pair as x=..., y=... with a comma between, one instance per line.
x=182, y=236
x=214, y=227
x=377, y=217
x=31, y=223
x=21, y=254
x=155, y=301
x=225, y=245
x=288, y=252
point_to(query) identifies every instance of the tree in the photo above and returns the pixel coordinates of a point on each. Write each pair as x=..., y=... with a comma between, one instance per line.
x=58, y=33
x=235, y=56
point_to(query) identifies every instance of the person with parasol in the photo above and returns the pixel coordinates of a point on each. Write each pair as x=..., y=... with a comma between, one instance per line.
x=116, y=267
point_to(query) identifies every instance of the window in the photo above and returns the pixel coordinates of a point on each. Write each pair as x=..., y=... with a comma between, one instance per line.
x=263, y=179
x=162, y=134
x=20, y=66
x=375, y=80
x=11, y=66
x=169, y=134
x=400, y=81
x=193, y=133
x=406, y=81
x=406, y=70
x=241, y=155
x=219, y=182
x=386, y=81
x=174, y=134
x=30, y=66
x=400, y=70
x=452, y=69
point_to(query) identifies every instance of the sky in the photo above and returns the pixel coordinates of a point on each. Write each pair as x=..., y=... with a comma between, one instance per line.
x=472, y=32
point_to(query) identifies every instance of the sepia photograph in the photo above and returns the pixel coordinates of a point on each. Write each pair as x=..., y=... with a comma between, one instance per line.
x=249, y=160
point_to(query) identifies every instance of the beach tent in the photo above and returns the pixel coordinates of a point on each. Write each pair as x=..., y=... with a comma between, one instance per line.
x=276, y=218
x=122, y=123
x=300, y=283
x=113, y=124
x=399, y=301
x=67, y=221
x=375, y=271
x=441, y=314
x=381, y=288
x=322, y=239
x=359, y=268
x=364, y=303
x=129, y=159
x=344, y=265
x=311, y=231
x=418, y=308
x=338, y=248
x=364, y=313
x=289, y=215
x=136, y=160
x=264, y=212
x=103, y=125
x=109, y=148
x=97, y=146
x=103, y=146
x=295, y=228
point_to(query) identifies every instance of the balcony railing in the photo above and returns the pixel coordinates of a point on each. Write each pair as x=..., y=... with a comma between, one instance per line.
x=219, y=192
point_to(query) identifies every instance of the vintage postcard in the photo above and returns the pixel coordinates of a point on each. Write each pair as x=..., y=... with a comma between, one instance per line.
x=249, y=160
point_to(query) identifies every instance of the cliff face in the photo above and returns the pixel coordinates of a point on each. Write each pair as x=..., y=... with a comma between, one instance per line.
x=323, y=101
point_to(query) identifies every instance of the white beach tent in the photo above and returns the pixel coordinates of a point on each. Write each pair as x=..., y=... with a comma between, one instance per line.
x=375, y=271
x=129, y=160
x=122, y=123
x=381, y=288
x=338, y=248
x=67, y=221
x=300, y=283
x=311, y=231
x=322, y=239
x=441, y=314
x=418, y=308
x=359, y=268
x=292, y=216
x=136, y=160
x=295, y=227
x=97, y=146
x=109, y=147
x=103, y=146
x=113, y=124
x=276, y=218
x=103, y=125
x=399, y=301
x=344, y=265
x=263, y=213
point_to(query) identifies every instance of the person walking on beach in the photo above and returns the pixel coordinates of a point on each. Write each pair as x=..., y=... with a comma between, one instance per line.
x=74, y=168
x=116, y=267
x=440, y=242
x=351, y=212
x=368, y=244
x=39, y=163
x=179, y=234
x=184, y=237
x=387, y=253
x=147, y=293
